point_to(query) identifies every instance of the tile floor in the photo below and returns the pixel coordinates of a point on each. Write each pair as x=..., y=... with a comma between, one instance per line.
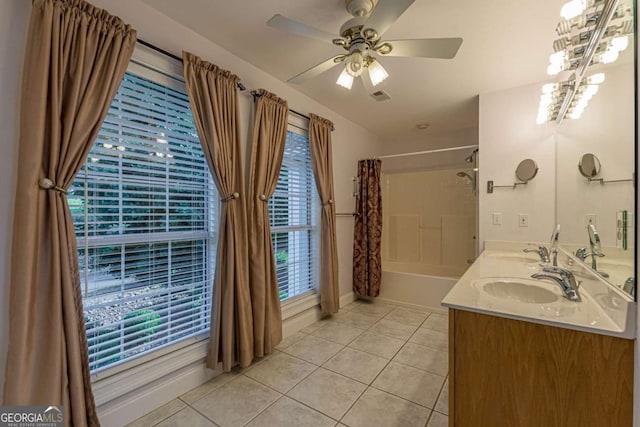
x=372, y=364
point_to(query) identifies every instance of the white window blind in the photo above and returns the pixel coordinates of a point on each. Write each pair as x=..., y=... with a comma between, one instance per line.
x=145, y=210
x=293, y=211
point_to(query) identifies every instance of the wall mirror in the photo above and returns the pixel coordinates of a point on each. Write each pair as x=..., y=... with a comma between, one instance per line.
x=589, y=165
x=527, y=170
x=602, y=143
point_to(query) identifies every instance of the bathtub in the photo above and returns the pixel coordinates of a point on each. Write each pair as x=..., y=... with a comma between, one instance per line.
x=417, y=285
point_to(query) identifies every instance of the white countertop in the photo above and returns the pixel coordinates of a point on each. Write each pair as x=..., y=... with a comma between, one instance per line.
x=603, y=309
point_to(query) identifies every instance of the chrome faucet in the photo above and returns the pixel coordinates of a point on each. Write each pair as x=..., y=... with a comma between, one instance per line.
x=583, y=254
x=564, y=278
x=542, y=251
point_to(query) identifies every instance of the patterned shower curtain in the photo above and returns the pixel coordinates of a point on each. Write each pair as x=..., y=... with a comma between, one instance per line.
x=367, y=263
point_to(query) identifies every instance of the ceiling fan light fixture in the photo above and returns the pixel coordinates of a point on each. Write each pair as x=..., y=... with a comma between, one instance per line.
x=355, y=64
x=384, y=49
x=377, y=73
x=345, y=79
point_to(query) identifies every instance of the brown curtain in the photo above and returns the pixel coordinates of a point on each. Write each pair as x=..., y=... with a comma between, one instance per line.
x=322, y=164
x=213, y=97
x=75, y=58
x=367, y=233
x=267, y=150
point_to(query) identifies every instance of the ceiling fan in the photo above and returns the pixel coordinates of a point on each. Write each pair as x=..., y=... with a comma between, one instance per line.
x=361, y=36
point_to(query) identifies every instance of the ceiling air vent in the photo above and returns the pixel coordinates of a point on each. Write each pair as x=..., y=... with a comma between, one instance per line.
x=380, y=95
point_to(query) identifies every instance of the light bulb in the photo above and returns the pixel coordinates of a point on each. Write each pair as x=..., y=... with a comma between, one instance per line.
x=554, y=69
x=609, y=56
x=595, y=79
x=377, y=73
x=558, y=57
x=549, y=87
x=345, y=79
x=355, y=63
x=591, y=90
x=572, y=9
x=620, y=43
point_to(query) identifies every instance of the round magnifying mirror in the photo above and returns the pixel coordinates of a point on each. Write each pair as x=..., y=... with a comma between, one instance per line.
x=589, y=165
x=526, y=170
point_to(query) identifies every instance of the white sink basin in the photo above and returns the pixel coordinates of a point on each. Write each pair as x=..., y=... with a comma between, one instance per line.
x=520, y=290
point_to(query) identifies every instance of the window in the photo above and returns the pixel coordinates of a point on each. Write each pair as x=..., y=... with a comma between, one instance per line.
x=293, y=210
x=145, y=210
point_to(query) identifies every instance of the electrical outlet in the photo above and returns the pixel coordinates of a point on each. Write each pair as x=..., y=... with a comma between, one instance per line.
x=497, y=218
x=523, y=220
x=590, y=219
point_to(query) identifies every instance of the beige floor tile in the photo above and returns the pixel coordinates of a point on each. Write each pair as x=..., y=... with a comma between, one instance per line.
x=257, y=361
x=281, y=372
x=337, y=332
x=380, y=409
x=312, y=327
x=393, y=329
x=287, y=412
x=348, y=307
x=410, y=383
x=438, y=420
x=431, y=338
x=355, y=319
x=442, y=405
x=314, y=349
x=380, y=345
x=291, y=339
x=437, y=322
x=373, y=309
x=403, y=315
x=186, y=417
x=328, y=392
x=426, y=358
x=236, y=402
x=356, y=364
x=159, y=414
x=206, y=388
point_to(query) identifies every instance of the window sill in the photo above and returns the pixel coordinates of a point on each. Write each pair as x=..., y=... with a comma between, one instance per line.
x=299, y=304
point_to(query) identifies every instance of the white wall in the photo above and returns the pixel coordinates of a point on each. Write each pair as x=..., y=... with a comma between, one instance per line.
x=508, y=134
x=13, y=19
x=350, y=141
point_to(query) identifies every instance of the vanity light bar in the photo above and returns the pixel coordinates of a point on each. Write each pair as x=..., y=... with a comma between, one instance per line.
x=587, y=38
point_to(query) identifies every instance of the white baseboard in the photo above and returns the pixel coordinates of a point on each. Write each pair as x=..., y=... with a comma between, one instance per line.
x=347, y=299
x=131, y=406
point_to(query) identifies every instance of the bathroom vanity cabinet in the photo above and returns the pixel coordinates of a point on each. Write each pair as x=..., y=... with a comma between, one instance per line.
x=506, y=372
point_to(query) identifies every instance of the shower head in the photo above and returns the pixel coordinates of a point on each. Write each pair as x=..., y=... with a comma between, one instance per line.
x=470, y=157
x=464, y=174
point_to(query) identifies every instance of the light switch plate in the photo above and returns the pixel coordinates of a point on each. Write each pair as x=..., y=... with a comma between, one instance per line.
x=497, y=218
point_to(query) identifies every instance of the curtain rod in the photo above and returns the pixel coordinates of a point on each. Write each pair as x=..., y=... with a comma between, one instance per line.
x=440, y=150
x=256, y=95
x=177, y=58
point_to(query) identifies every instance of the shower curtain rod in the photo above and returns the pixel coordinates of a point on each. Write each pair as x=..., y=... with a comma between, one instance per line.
x=440, y=150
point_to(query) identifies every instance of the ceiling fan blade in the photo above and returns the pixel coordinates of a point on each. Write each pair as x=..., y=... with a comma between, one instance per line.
x=317, y=69
x=426, y=48
x=285, y=24
x=385, y=13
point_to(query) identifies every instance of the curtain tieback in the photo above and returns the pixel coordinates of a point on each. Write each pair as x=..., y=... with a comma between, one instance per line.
x=47, y=184
x=328, y=202
x=263, y=197
x=231, y=197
